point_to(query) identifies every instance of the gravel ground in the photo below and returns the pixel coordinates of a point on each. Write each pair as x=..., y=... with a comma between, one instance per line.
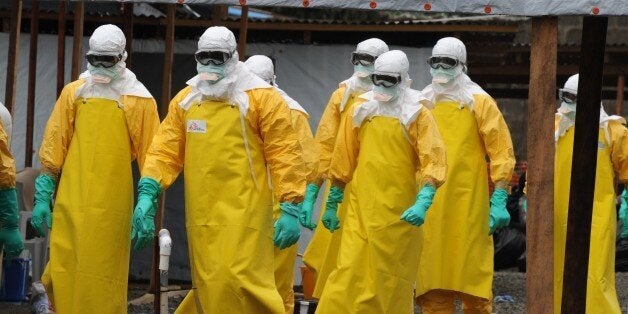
x=505, y=284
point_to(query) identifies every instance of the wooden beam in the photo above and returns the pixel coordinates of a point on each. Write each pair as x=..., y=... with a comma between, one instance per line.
x=621, y=84
x=168, y=59
x=32, y=81
x=307, y=37
x=583, y=169
x=540, y=173
x=61, y=47
x=128, y=30
x=13, y=54
x=77, y=46
x=244, y=23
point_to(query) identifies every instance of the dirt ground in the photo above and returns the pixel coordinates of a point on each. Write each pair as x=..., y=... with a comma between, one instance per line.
x=505, y=284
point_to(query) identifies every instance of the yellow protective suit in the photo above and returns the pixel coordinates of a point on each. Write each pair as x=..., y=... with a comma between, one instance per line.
x=321, y=254
x=611, y=156
x=228, y=204
x=457, y=251
x=376, y=271
x=285, y=259
x=7, y=170
x=92, y=143
x=7, y=164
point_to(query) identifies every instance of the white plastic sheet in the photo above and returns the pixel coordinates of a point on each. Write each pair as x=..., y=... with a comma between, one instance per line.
x=509, y=7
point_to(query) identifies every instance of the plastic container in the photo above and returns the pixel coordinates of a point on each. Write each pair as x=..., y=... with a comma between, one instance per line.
x=14, y=280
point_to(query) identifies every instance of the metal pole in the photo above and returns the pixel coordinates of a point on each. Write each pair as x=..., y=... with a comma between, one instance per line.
x=584, y=163
x=32, y=81
x=77, y=47
x=128, y=30
x=621, y=84
x=61, y=48
x=14, y=45
x=244, y=26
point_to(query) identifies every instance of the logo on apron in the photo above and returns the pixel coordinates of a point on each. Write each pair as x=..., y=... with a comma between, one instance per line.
x=196, y=126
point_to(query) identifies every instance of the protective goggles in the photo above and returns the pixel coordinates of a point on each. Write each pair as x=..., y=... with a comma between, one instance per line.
x=567, y=97
x=385, y=80
x=442, y=62
x=214, y=57
x=105, y=61
x=362, y=58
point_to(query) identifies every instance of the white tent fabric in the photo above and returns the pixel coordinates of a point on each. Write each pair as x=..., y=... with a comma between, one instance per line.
x=509, y=7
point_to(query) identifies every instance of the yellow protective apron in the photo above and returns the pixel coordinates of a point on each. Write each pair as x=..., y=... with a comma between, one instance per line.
x=228, y=215
x=601, y=294
x=457, y=252
x=91, y=235
x=321, y=254
x=379, y=251
x=284, y=271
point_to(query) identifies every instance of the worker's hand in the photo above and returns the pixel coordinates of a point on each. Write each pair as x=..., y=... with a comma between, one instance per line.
x=499, y=216
x=10, y=237
x=623, y=213
x=330, y=217
x=11, y=240
x=144, y=214
x=44, y=188
x=305, y=217
x=415, y=215
x=143, y=229
x=287, y=231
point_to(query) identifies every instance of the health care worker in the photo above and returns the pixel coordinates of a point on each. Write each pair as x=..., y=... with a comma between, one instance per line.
x=285, y=259
x=456, y=243
x=612, y=157
x=99, y=125
x=390, y=149
x=321, y=254
x=10, y=237
x=223, y=130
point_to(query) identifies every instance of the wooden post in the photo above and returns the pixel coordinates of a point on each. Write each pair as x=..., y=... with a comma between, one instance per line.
x=128, y=30
x=584, y=162
x=163, y=111
x=540, y=173
x=621, y=84
x=218, y=13
x=77, y=46
x=14, y=49
x=244, y=26
x=32, y=81
x=168, y=59
x=61, y=48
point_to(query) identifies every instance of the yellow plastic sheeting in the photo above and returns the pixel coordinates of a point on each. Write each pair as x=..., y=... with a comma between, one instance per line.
x=601, y=293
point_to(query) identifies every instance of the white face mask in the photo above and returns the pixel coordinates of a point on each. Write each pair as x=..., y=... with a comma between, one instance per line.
x=384, y=94
x=443, y=76
x=566, y=108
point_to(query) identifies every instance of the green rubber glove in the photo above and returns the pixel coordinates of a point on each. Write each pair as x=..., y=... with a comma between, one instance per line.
x=287, y=230
x=144, y=215
x=305, y=217
x=623, y=211
x=415, y=215
x=44, y=188
x=499, y=216
x=10, y=237
x=330, y=217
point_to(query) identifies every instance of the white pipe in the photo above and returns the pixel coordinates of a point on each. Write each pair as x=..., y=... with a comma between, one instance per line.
x=165, y=245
